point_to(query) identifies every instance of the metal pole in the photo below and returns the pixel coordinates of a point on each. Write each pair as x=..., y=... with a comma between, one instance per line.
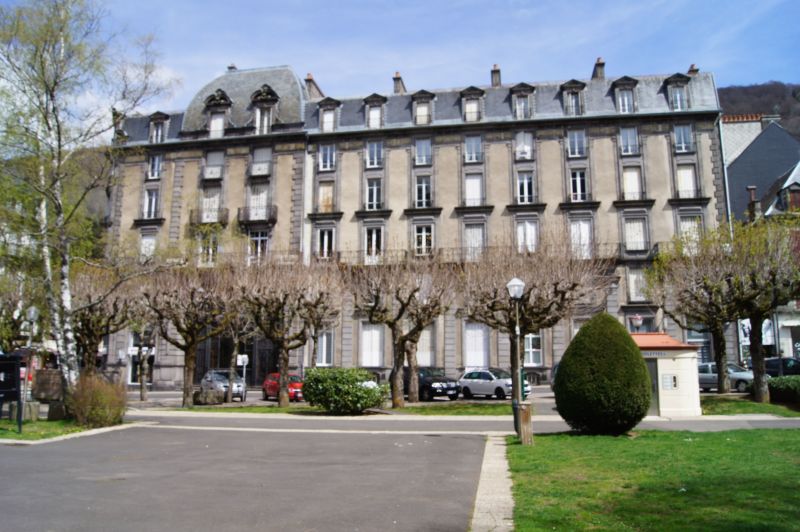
x=514, y=401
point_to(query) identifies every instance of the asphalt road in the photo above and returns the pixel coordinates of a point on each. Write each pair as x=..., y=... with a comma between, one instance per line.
x=188, y=480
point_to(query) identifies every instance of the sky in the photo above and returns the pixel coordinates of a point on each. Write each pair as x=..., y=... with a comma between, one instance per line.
x=354, y=47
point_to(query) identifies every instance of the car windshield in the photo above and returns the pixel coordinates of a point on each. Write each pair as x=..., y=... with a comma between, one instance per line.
x=736, y=368
x=295, y=378
x=501, y=374
x=223, y=375
x=431, y=372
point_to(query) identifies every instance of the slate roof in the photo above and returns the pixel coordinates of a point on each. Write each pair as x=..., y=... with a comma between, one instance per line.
x=138, y=128
x=771, y=202
x=651, y=96
x=771, y=155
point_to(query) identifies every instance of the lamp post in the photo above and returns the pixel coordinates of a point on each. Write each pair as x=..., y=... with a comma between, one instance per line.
x=32, y=317
x=516, y=287
x=637, y=321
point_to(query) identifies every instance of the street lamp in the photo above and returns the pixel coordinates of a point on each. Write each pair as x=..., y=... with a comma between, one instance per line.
x=637, y=321
x=32, y=317
x=516, y=287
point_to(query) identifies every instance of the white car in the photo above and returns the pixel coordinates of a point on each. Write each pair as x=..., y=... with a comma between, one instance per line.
x=489, y=382
x=738, y=376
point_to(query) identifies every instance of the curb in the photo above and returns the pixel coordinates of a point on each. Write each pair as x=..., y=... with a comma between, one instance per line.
x=494, y=504
x=90, y=432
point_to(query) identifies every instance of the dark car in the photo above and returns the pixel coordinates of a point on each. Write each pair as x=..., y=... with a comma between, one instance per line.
x=791, y=366
x=432, y=383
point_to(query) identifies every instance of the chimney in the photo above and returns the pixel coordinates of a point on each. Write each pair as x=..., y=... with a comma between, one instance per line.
x=495, y=76
x=399, y=86
x=754, y=206
x=599, y=70
x=231, y=68
x=312, y=88
x=693, y=70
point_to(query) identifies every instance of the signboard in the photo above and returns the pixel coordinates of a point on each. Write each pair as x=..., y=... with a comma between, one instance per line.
x=242, y=360
x=10, y=386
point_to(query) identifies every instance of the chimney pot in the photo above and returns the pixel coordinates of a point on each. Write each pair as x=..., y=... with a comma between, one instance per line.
x=599, y=70
x=495, y=76
x=399, y=86
x=231, y=67
x=751, y=189
x=693, y=70
x=312, y=88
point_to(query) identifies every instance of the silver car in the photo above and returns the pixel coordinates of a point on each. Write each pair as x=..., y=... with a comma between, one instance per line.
x=489, y=382
x=217, y=379
x=738, y=376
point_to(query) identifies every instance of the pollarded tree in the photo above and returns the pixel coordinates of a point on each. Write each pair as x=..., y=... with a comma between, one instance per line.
x=189, y=308
x=406, y=295
x=323, y=303
x=239, y=324
x=556, y=278
x=692, y=282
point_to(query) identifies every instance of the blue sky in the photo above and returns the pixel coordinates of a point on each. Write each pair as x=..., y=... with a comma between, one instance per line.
x=354, y=47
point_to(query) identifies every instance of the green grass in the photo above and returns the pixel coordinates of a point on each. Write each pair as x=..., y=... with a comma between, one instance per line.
x=729, y=405
x=735, y=480
x=37, y=430
x=458, y=408
x=301, y=410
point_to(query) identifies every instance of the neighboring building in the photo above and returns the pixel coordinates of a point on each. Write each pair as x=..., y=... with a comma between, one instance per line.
x=738, y=131
x=260, y=163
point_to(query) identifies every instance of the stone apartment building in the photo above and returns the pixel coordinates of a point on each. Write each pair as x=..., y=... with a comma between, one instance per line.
x=262, y=163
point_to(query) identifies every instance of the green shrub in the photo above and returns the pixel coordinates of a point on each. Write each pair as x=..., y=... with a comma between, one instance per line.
x=96, y=402
x=785, y=389
x=342, y=391
x=602, y=385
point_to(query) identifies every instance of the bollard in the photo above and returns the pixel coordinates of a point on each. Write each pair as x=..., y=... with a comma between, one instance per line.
x=525, y=427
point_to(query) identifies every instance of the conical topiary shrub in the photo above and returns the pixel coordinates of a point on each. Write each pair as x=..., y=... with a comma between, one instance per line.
x=602, y=385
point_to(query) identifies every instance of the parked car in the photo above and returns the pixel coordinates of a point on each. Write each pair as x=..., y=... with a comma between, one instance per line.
x=217, y=379
x=489, y=382
x=272, y=387
x=791, y=366
x=432, y=383
x=737, y=375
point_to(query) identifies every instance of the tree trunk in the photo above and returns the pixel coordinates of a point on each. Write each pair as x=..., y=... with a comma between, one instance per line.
x=312, y=361
x=396, y=376
x=232, y=369
x=143, y=374
x=760, y=388
x=721, y=358
x=189, y=356
x=413, y=372
x=516, y=376
x=283, y=359
x=69, y=353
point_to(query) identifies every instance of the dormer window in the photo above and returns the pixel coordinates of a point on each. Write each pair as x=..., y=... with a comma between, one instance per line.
x=374, y=117
x=521, y=94
x=678, y=99
x=471, y=102
x=263, y=102
x=678, y=91
x=216, y=106
x=374, y=110
x=572, y=97
x=625, y=94
x=423, y=107
x=625, y=101
x=216, y=126
x=327, y=114
x=521, y=110
x=263, y=120
x=158, y=121
x=328, y=120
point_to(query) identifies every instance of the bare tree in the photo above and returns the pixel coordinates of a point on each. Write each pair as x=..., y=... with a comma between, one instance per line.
x=406, y=295
x=692, y=282
x=556, y=280
x=189, y=309
x=239, y=324
x=142, y=322
x=323, y=303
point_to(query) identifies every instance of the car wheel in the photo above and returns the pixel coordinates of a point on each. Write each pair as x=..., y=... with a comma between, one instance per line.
x=741, y=386
x=500, y=393
x=706, y=390
x=425, y=394
x=467, y=393
x=263, y=394
x=453, y=397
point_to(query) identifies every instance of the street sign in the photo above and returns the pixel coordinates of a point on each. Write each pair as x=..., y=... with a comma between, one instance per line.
x=242, y=360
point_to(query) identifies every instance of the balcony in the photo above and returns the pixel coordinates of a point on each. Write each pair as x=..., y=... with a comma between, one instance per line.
x=635, y=250
x=373, y=209
x=208, y=216
x=576, y=152
x=579, y=201
x=373, y=163
x=263, y=214
x=474, y=205
x=260, y=169
x=213, y=172
x=149, y=216
x=684, y=197
x=423, y=159
x=684, y=147
x=528, y=203
x=631, y=199
x=472, y=157
x=629, y=149
x=523, y=153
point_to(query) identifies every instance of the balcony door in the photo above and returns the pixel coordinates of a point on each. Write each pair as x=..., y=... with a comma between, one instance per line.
x=258, y=201
x=210, y=207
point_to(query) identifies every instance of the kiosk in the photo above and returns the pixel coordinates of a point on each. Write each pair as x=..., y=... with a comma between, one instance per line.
x=673, y=374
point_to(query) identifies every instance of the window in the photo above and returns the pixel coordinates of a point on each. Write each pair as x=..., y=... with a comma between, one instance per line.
x=473, y=240
x=373, y=244
x=473, y=190
x=689, y=227
x=325, y=348
x=523, y=146
x=683, y=139
x=635, y=234
x=147, y=245
x=155, y=166
x=259, y=246
x=678, y=100
x=157, y=132
x=472, y=110
x=527, y=235
x=476, y=345
x=374, y=117
x=328, y=118
x=525, y=190
x=473, y=150
x=625, y=100
x=373, y=200
x=257, y=201
x=426, y=348
x=578, y=186
x=423, y=239
x=573, y=103
x=632, y=183
x=209, y=245
x=262, y=162
x=628, y=141
x=151, y=204
x=422, y=152
x=648, y=324
x=576, y=143
x=423, y=192
x=636, y=285
x=371, y=345
x=209, y=210
x=374, y=154
x=325, y=242
x=216, y=127
x=580, y=231
x=521, y=107
x=327, y=157
x=423, y=114
x=325, y=201
x=687, y=184
x=262, y=120
x=215, y=163
x=532, y=350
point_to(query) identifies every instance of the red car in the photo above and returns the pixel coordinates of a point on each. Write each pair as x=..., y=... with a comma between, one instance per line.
x=272, y=387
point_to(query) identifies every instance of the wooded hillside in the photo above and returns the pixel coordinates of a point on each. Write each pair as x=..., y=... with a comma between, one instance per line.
x=773, y=97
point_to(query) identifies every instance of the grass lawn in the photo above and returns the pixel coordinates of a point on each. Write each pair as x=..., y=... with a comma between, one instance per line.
x=735, y=480
x=37, y=430
x=301, y=410
x=727, y=405
x=458, y=408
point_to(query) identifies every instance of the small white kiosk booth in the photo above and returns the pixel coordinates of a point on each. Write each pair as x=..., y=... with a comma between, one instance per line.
x=673, y=374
